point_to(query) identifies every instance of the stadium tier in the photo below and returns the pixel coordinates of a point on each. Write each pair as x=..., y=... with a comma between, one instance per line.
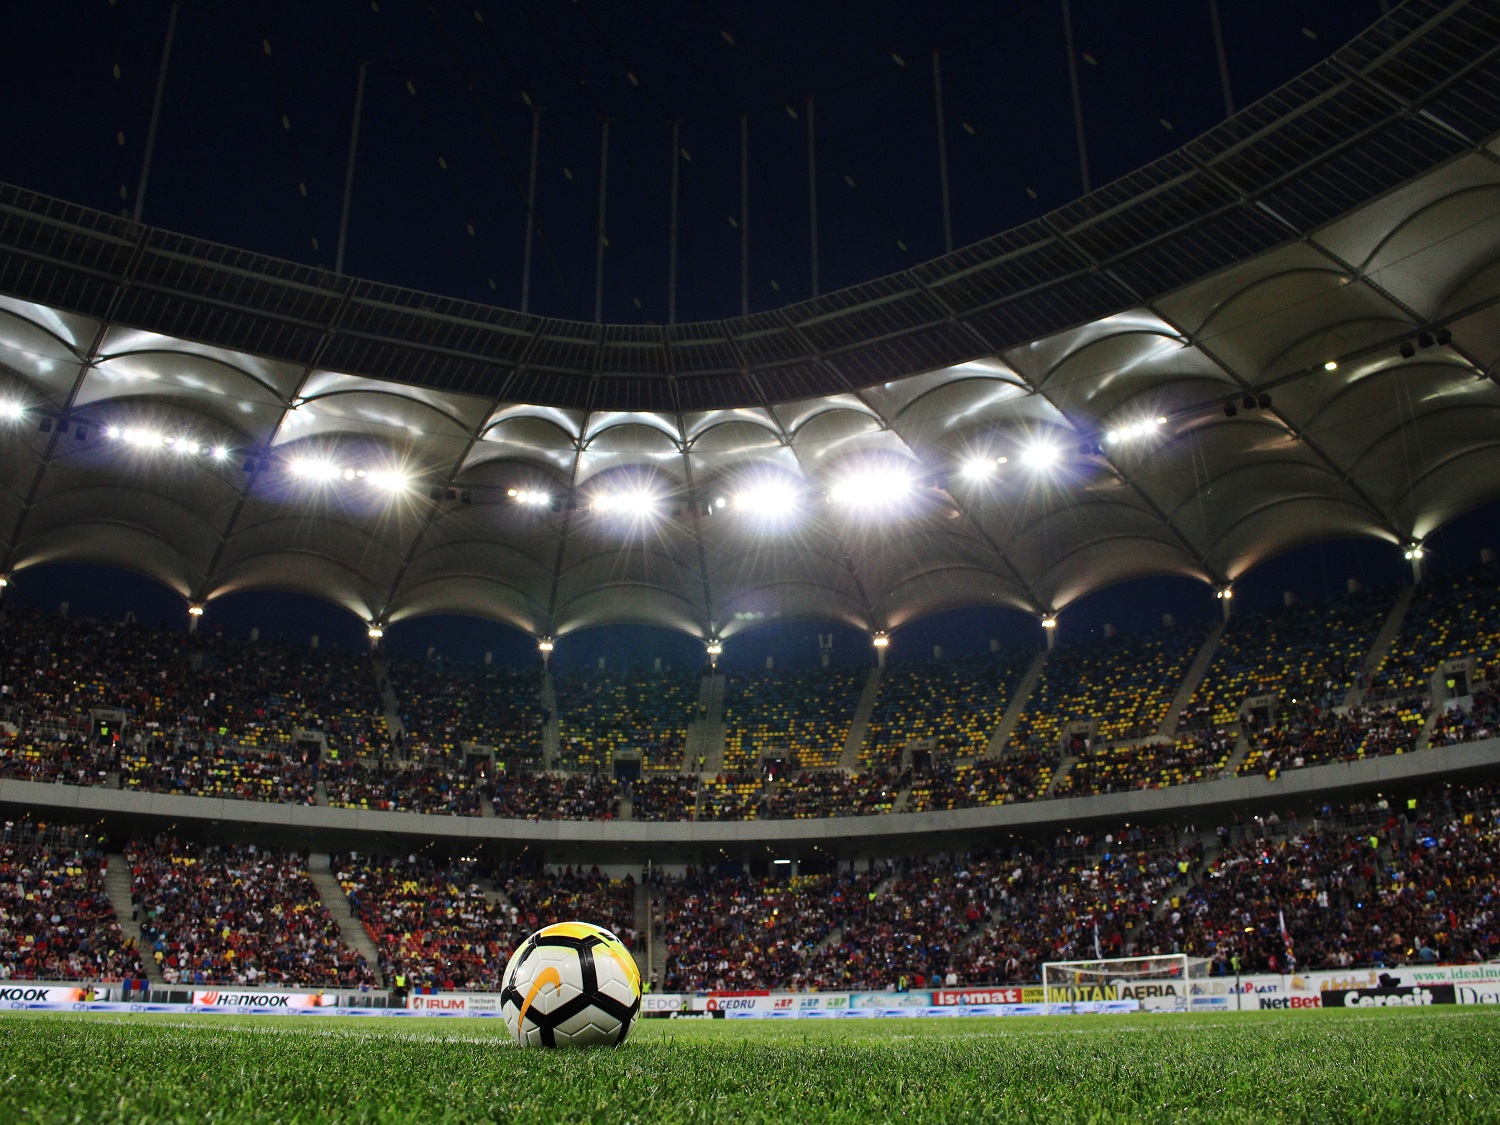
x=1278, y=691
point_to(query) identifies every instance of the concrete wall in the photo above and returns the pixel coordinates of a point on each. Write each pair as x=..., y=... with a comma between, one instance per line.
x=572, y=841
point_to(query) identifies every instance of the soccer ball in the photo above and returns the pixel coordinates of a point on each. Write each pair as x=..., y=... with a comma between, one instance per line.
x=571, y=985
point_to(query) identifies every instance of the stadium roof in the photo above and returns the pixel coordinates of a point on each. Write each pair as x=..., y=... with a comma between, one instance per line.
x=1020, y=422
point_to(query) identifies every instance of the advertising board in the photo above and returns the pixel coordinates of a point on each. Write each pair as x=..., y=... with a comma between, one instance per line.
x=20, y=994
x=457, y=1003
x=262, y=1001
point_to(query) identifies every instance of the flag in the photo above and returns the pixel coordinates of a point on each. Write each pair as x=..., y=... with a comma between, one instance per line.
x=1097, y=954
x=1286, y=938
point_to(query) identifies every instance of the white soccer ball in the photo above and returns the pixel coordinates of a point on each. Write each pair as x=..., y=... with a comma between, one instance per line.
x=571, y=985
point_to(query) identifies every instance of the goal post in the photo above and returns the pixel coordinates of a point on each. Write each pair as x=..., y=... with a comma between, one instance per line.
x=1158, y=983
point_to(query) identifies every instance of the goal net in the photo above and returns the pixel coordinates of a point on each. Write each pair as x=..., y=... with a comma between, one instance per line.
x=1160, y=983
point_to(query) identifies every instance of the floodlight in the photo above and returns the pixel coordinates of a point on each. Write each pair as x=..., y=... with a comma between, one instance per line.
x=636, y=502
x=873, y=488
x=781, y=862
x=1331, y=365
x=881, y=640
x=140, y=437
x=195, y=611
x=715, y=648
x=529, y=497
x=1049, y=621
x=1041, y=455
x=314, y=470
x=376, y=632
x=218, y=453
x=977, y=468
x=11, y=409
x=388, y=480
x=768, y=498
x=545, y=644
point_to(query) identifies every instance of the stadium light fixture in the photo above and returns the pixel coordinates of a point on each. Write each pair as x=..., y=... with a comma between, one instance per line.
x=767, y=498
x=12, y=409
x=1413, y=552
x=1224, y=593
x=219, y=452
x=636, y=502
x=1136, y=429
x=4, y=582
x=978, y=468
x=873, y=488
x=1331, y=365
x=387, y=480
x=715, y=648
x=1049, y=621
x=881, y=640
x=376, y=631
x=545, y=645
x=195, y=611
x=1041, y=455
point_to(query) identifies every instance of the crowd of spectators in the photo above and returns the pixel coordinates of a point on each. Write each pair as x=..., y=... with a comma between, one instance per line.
x=575, y=895
x=541, y=796
x=950, y=706
x=1480, y=720
x=1309, y=653
x=1121, y=685
x=830, y=793
x=801, y=715
x=1449, y=616
x=1108, y=768
x=430, y=921
x=601, y=713
x=434, y=786
x=202, y=769
x=949, y=784
x=1315, y=737
x=443, y=705
x=54, y=753
x=244, y=915
x=739, y=933
x=664, y=796
x=56, y=920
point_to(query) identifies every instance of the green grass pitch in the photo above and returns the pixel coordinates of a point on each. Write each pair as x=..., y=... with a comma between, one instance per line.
x=1428, y=1065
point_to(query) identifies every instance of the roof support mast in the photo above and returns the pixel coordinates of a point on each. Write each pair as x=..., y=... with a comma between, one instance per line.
x=359, y=107
x=1083, y=151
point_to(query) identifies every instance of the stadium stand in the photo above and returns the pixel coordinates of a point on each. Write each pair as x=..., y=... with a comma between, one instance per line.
x=238, y=915
x=802, y=714
x=956, y=704
x=1308, y=653
x=205, y=770
x=443, y=705
x=423, y=788
x=56, y=921
x=1312, y=737
x=600, y=713
x=575, y=896
x=985, y=781
x=430, y=922
x=1123, y=685
x=729, y=796
x=1449, y=616
x=1480, y=720
x=556, y=796
x=1112, y=769
x=829, y=793
x=664, y=797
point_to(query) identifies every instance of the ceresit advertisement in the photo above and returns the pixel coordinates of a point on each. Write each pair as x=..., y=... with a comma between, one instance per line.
x=263, y=1001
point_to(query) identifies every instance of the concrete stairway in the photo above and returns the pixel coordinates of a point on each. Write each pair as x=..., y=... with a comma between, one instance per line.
x=705, y=738
x=333, y=896
x=643, y=956
x=1057, y=778
x=1380, y=646
x=860, y=727
x=627, y=805
x=388, y=702
x=1237, y=756
x=320, y=794
x=117, y=886
x=1016, y=707
x=1190, y=682
x=551, y=738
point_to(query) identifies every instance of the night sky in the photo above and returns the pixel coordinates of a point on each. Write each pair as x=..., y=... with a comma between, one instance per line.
x=253, y=148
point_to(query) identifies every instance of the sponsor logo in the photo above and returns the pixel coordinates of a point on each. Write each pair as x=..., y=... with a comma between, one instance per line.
x=240, y=1000
x=968, y=996
x=732, y=1003
x=440, y=1003
x=1468, y=994
x=1288, y=1003
x=1398, y=997
x=41, y=995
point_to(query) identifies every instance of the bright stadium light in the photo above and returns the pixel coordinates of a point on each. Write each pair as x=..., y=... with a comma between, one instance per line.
x=1041, y=455
x=873, y=488
x=529, y=497
x=545, y=645
x=143, y=438
x=715, y=648
x=309, y=469
x=881, y=640
x=195, y=611
x=767, y=498
x=376, y=631
x=12, y=409
x=219, y=452
x=1413, y=552
x=638, y=503
x=1136, y=429
x=978, y=468
x=387, y=480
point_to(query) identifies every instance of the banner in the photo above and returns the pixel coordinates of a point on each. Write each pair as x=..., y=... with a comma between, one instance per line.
x=774, y=1003
x=460, y=1003
x=943, y=997
x=890, y=1000
x=662, y=1003
x=19, y=994
x=263, y=1001
x=1417, y=996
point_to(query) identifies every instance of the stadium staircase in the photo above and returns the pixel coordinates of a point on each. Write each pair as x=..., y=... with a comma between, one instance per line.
x=393, y=722
x=1057, y=777
x=1190, y=682
x=1380, y=646
x=320, y=871
x=860, y=727
x=320, y=794
x=705, y=735
x=117, y=886
x=643, y=927
x=627, y=804
x=1237, y=756
x=551, y=739
x=1016, y=707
